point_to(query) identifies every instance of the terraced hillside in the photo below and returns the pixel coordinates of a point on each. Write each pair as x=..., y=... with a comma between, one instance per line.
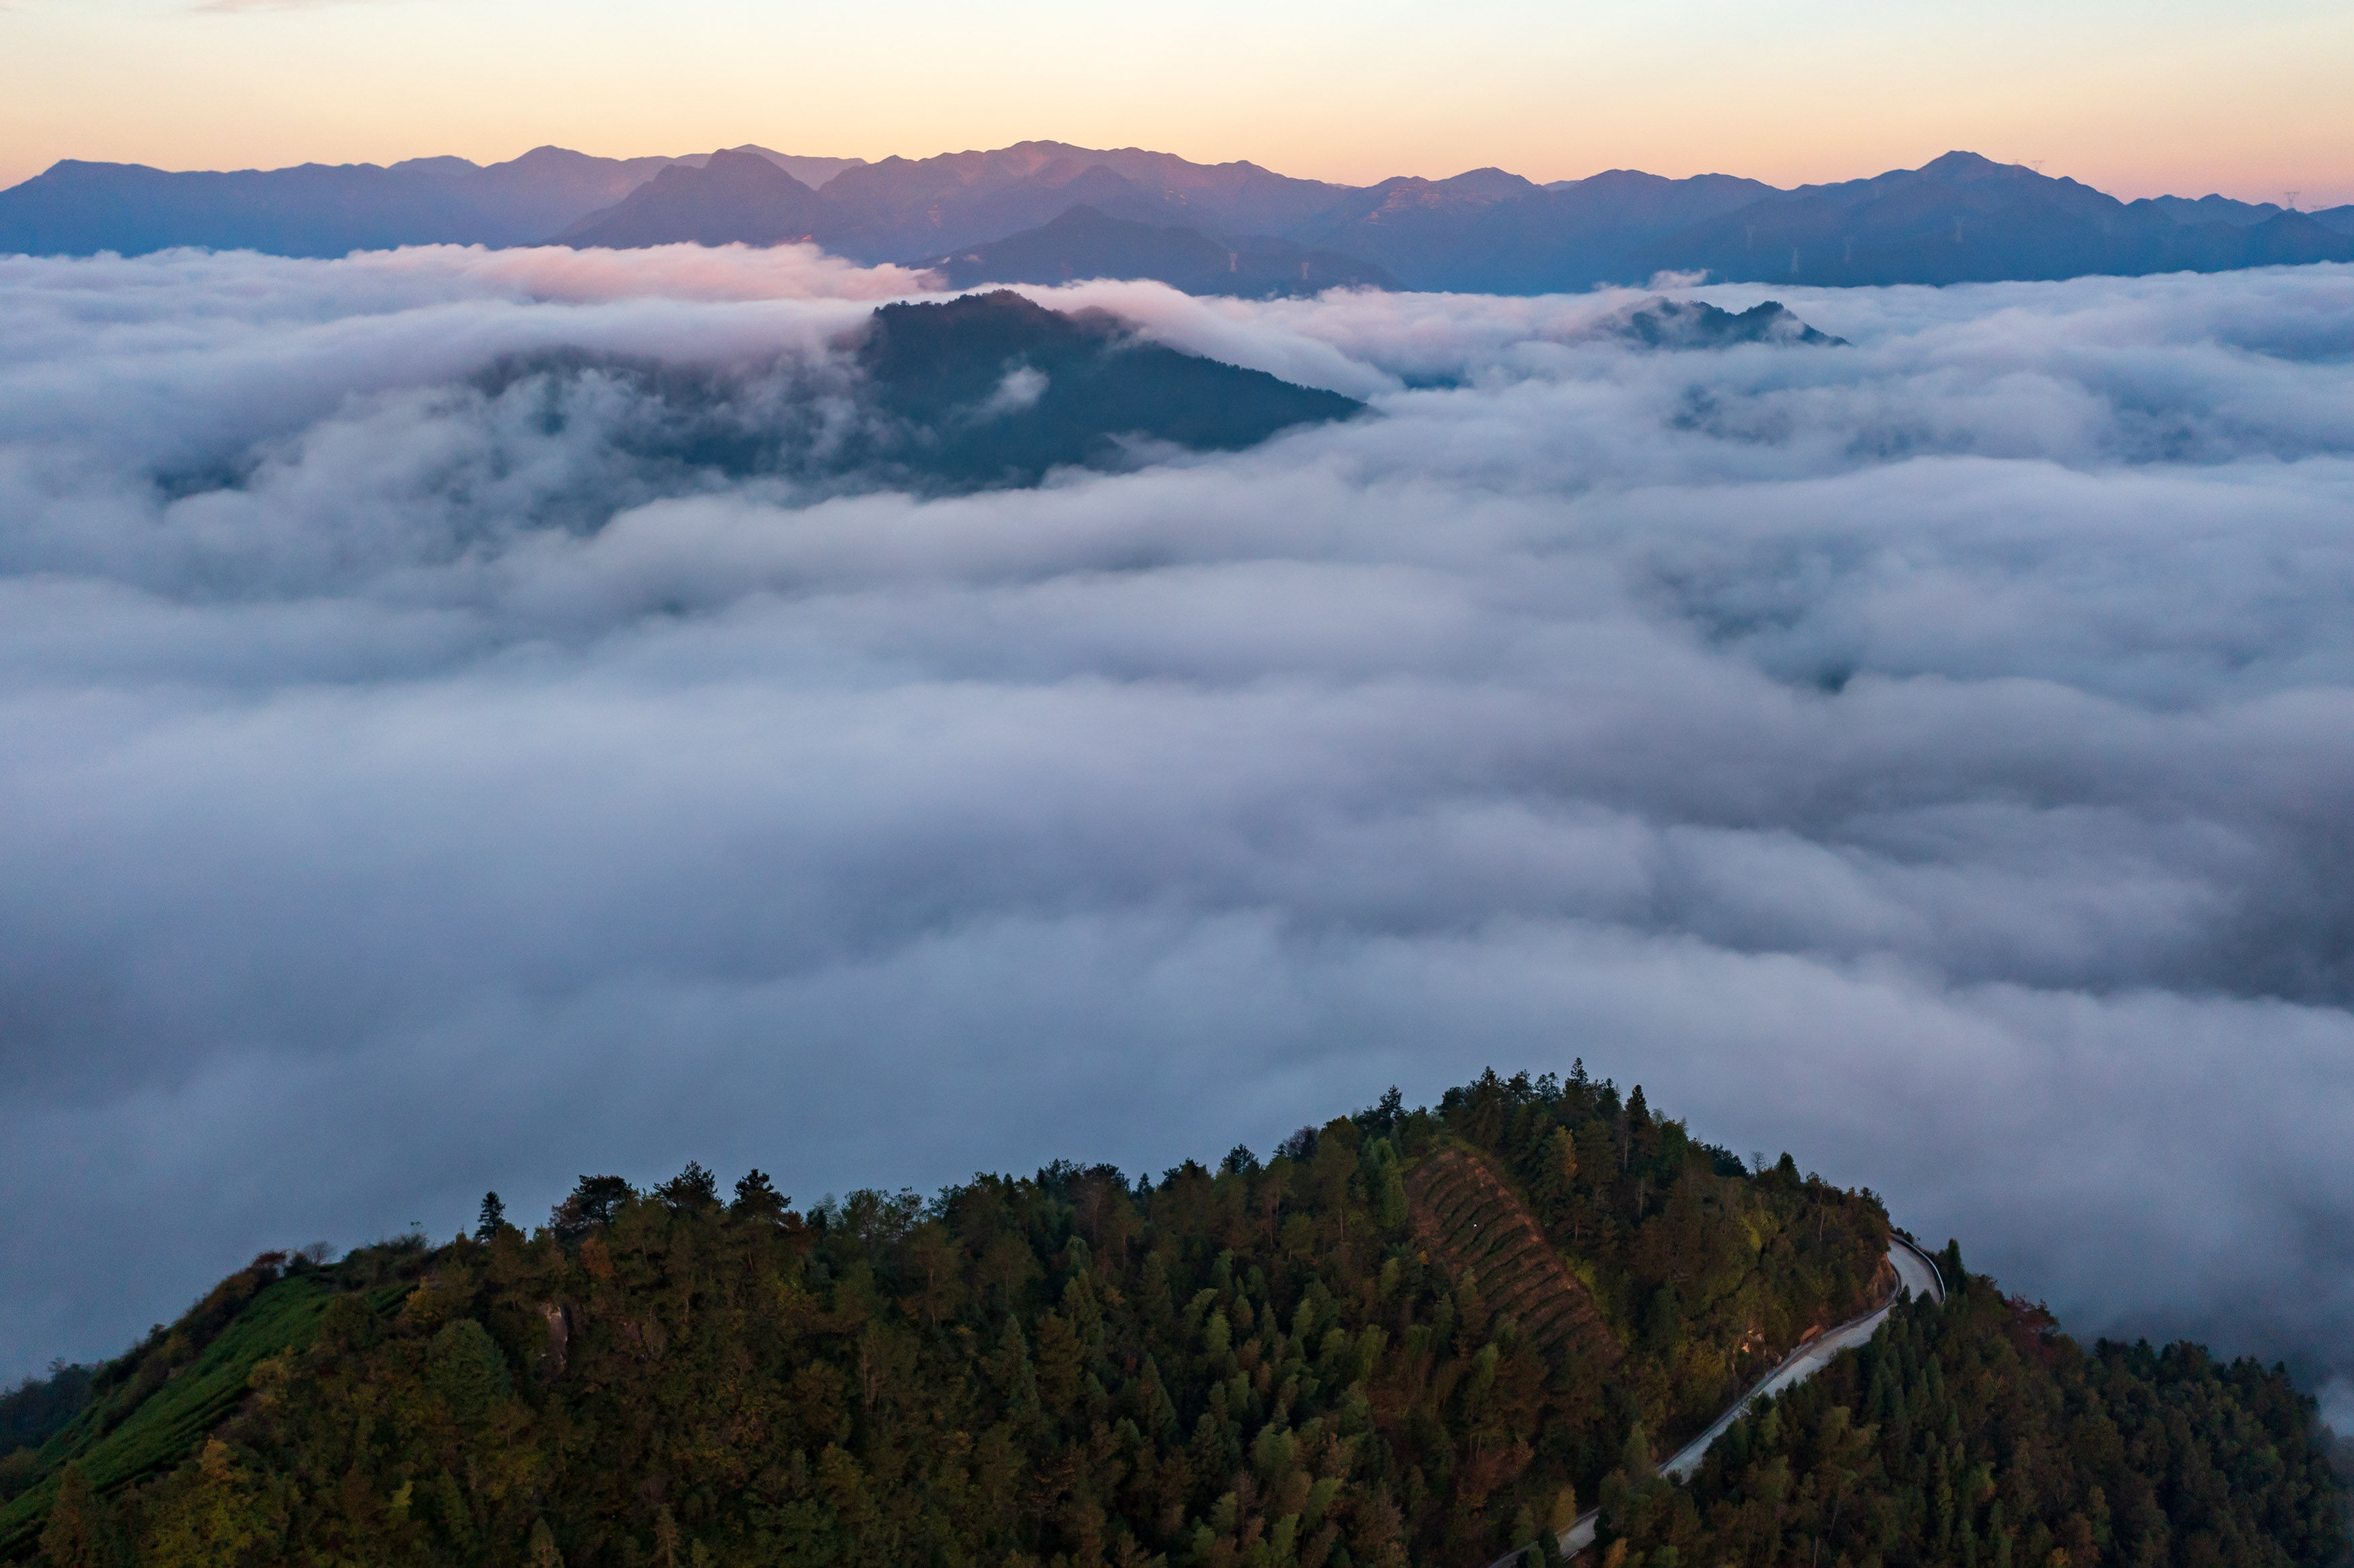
x=1467, y=1214
x=1361, y=1351
x=152, y=1409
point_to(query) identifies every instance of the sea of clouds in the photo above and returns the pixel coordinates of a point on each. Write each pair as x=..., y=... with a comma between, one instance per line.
x=1933, y=756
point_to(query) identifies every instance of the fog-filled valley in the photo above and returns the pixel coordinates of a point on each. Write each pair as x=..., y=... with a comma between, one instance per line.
x=1930, y=754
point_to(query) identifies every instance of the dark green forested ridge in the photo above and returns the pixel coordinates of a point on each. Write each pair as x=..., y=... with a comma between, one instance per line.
x=1312, y=1363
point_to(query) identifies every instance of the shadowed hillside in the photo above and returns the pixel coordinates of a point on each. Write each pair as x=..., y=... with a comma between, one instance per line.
x=1261, y=1363
x=984, y=391
x=991, y=388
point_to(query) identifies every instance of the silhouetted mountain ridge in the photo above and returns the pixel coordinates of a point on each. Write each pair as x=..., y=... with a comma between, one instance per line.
x=734, y=198
x=79, y=208
x=1964, y=219
x=1085, y=243
x=1959, y=217
x=907, y=207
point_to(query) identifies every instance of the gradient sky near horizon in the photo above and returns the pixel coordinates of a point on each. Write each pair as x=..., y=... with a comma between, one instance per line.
x=2155, y=97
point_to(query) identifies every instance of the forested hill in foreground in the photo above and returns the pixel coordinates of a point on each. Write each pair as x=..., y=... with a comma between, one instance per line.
x=1410, y=1337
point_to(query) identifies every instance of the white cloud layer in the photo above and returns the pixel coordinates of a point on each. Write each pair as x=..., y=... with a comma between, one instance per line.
x=1934, y=757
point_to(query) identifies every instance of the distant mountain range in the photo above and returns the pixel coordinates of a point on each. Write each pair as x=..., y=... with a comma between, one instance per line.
x=76, y=209
x=1041, y=212
x=738, y=197
x=1964, y=219
x=1086, y=243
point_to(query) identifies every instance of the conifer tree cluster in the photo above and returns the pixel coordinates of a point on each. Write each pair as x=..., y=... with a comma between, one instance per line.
x=1269, y=1364
x=1976, y=1435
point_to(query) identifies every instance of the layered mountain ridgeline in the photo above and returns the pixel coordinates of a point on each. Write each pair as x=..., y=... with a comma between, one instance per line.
x=1490, y=232
x=1958, y=218
x=76, y=208
x=902, y=209
x=1026, y=214
x=1353, y=1354
x=735, y=198
x=1085, y=243
x=1964, y=219
x=982, y=391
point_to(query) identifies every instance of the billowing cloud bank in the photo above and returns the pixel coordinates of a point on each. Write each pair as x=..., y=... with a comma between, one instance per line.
x=1934, y=757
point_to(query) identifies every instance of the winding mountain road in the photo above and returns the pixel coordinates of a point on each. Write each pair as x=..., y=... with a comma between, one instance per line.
x=1915, y=1274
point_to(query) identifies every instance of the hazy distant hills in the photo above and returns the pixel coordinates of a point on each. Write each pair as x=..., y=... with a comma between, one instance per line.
x=735, y=198
x=1085, y=243
x=902, y=209
x=316, y=210
x=1964, y=219
x=1044, y=211
x=76, y=208
x=1487, y=231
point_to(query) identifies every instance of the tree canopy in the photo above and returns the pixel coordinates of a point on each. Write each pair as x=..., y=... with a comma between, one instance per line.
x=1407, y=1336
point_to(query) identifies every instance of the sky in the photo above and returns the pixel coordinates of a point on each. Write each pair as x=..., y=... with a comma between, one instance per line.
x=1929, y=755
x=2144, y=98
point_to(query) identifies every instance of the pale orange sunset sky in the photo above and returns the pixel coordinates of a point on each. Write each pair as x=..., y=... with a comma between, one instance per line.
x=2157, y=96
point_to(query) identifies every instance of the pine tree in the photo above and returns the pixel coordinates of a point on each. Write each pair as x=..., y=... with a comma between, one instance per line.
x=693, y=1188
x=593, y=1202
x=1556, y=1173
x=493, y=1217
x=757, y=1198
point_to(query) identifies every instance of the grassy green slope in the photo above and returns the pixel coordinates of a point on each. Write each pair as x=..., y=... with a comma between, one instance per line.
x=149, y=1420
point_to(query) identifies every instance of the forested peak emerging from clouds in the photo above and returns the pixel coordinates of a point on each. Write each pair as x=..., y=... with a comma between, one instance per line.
x=1424, y=1335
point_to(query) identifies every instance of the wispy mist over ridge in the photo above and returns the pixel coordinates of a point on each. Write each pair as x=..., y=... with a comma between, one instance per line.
x=1930, y=755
